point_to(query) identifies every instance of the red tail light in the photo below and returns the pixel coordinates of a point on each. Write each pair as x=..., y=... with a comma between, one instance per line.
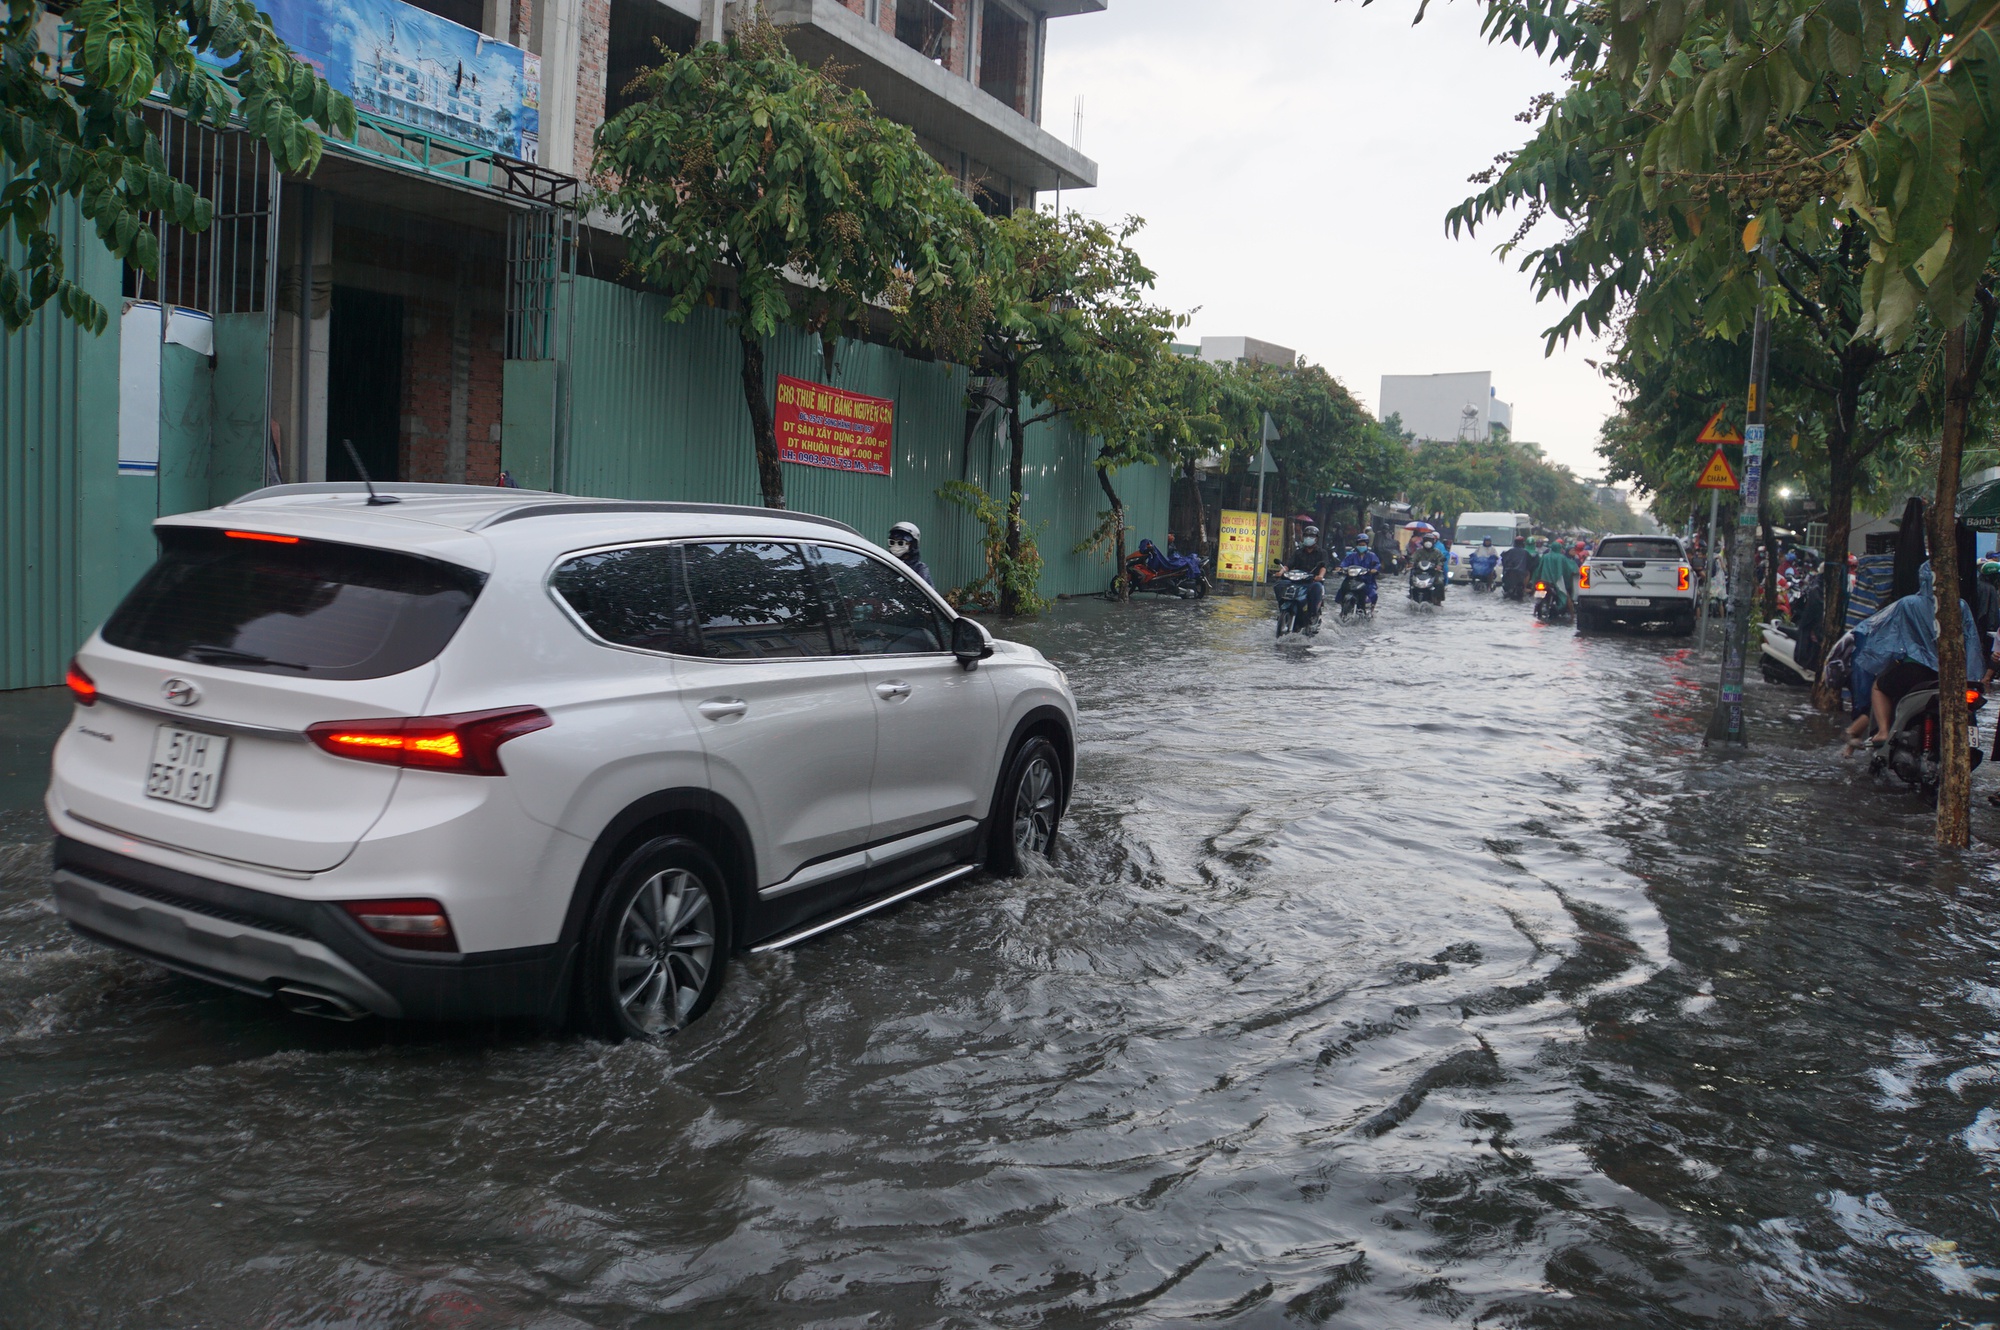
x=415, y=925
x=1541, y=586
x=1583, y=578
x=262, y=535
x=81, y=686
x=1972, y=696
x=467, y=743
x=1682, y=584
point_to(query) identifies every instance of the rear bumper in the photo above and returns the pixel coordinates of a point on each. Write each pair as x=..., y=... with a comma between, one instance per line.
x=1657, y=609
x=261, y=943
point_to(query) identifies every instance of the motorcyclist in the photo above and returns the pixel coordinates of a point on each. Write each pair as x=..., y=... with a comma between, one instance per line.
x=1309, y=558
x=1557, y=570
x=1428, y=556
x=1485, y=560
x=1514, y=566
x=903, y=543
x=1368, y=561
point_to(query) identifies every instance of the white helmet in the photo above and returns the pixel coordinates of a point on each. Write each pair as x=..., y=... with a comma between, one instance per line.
x=907, y=531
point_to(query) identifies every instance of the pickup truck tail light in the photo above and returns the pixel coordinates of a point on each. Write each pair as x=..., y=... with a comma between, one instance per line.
x=1583, y=578
x=1682, y=583
x=467, y=743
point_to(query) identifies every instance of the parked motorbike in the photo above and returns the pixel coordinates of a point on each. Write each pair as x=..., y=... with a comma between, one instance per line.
x=1149, y=568
x=1427, y=586
x=1915, y=749
x=1778, y=660
x=1555, y=608
x=1352, y=597
x=1293, y=616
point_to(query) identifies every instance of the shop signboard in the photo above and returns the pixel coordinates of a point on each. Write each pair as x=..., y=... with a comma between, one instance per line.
x=822, y=426
x=1236, y=546
x=408, y=65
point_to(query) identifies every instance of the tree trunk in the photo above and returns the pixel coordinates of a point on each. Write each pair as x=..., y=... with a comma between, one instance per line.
x=769, y=474
x=1017, y=440
x=1118, y=526
x=1200, y=512
x=1962, y=371
x=1839, y=529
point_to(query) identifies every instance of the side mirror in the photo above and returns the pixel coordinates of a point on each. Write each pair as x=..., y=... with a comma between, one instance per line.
x=970, y=641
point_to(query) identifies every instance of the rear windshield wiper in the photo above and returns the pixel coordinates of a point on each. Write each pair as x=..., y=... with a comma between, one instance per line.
x=207, y=653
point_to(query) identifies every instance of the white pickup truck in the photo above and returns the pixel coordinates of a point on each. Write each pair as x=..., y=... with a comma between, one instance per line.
x=1636, y=579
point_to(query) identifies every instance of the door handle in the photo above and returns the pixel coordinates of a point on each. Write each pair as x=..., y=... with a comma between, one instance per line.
x=894, y=688
x=723, y=708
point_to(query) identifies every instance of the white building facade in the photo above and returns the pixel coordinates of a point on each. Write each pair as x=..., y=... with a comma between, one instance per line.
x=1445, y=406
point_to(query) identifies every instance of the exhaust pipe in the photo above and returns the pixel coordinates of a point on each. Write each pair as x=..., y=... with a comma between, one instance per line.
x=317, y=1002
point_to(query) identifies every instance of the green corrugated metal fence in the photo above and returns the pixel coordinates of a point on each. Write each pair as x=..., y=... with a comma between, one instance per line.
x=656, y=412
x=58, y=471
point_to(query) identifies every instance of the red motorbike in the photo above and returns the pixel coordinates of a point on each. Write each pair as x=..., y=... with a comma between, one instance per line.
x=1149, y=568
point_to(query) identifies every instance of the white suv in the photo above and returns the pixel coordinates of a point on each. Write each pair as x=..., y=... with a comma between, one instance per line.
x=1636, y=579
x=464, y=752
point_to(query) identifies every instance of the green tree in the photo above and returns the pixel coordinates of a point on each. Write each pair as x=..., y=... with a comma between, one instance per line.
x=1326, y=439
x=1188, y=409
x=739, y=159
x=1066, y=331
x=1788, y=120
x=71, y=128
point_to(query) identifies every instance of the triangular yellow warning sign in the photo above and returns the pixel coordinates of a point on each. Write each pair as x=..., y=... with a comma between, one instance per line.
x=1716, y=475
x=1717, y=433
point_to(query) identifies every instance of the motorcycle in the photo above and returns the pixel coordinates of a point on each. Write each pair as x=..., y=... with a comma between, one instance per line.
x=1778, y=661
x=1914, y=751
x=1485, y=581
x=1352, y=597
x=1427, y=586
x=1149, y=568
x=1555, y=608
x=1293, y=617
x=1514, y=586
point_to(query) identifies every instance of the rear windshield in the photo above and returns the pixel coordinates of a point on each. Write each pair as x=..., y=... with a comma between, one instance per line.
x=310, y=608
x=1616, y=548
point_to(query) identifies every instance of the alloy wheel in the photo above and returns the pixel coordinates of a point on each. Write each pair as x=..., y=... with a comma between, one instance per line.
x=1035, y=807
x=665, y=949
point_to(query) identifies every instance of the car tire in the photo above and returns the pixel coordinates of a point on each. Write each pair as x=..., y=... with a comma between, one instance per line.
x=1683, y=625
x=1027, y=808
x=1587, y=621
x=654, y=955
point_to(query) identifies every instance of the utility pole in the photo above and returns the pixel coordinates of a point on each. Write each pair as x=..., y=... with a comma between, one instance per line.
x=1702, y=587
x=1263, y=527
x=1727, y=725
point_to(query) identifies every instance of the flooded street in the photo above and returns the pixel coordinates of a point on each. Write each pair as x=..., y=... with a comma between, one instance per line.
x=1429, y=976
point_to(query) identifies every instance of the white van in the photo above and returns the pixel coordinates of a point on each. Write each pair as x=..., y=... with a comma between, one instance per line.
x=1472, y=528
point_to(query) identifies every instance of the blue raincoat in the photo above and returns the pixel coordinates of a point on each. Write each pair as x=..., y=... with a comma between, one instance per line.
x=1907, y=630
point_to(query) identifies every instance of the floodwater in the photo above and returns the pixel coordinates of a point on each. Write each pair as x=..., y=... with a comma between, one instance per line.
x=1431, y=976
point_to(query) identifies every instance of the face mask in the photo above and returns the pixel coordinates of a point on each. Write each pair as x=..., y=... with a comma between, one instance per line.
x=1310, y=541
x=899, y=547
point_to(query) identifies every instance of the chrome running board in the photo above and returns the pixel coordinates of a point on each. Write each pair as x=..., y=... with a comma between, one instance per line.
x=814, y=930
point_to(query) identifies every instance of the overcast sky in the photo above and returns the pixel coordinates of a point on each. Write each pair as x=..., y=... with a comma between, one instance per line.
x=1294, y=160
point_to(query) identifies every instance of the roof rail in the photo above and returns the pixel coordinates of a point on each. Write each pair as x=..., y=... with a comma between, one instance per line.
x=562, y=507
x=385, y=486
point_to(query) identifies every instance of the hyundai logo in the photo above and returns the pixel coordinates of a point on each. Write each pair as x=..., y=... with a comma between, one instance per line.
x=180, y=692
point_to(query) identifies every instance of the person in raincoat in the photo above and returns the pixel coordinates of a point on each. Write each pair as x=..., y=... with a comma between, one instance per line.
x=1896, y=647
x=1556, y=570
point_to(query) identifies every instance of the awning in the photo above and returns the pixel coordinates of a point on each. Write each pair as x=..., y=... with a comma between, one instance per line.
x=1979, y=506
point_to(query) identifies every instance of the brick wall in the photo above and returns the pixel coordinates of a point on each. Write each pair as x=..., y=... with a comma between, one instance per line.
x=427, y=388
x=593, y=55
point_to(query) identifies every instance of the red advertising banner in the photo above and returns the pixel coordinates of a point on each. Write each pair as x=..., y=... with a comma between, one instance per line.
x=821, y=426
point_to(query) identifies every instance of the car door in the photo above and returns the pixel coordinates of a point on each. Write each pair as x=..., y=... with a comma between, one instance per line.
x=936, y=722
x=787, y=725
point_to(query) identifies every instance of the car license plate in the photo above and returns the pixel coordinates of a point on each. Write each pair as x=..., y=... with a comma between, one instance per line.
x=186, y=767
x=1633, y=602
